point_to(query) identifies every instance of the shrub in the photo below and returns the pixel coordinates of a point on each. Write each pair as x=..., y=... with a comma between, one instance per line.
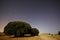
x=34, y=32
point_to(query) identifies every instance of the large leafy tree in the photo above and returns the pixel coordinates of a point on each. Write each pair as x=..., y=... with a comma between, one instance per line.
x=17, y=28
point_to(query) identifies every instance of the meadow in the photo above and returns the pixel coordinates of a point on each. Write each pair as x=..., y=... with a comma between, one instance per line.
x=40, y=37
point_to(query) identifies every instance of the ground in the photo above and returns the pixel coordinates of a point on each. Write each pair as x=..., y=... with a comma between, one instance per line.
x=40, y=37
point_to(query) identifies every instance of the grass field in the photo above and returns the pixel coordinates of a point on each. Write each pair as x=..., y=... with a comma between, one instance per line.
x=40, y=37
x=49, y=37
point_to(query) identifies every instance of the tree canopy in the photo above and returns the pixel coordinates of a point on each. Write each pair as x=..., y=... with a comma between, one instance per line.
x=19, y=28
x=34, y=32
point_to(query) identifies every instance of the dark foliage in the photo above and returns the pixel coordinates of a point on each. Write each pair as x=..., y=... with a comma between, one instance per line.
x=34, y=32
x=58, y=32
x=19, y=28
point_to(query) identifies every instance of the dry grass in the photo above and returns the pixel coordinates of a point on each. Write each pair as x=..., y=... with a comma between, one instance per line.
x=49, y=37
x=40, y=37
x=26, y=38
x=22, y=38
x=4, y=38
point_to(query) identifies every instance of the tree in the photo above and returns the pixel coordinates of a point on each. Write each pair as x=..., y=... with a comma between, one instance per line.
x=58, y=32
x=17, y=28
x=34, y=32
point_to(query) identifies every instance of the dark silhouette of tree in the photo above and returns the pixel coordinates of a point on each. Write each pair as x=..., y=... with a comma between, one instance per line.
x=19, y=28
x=34, y=32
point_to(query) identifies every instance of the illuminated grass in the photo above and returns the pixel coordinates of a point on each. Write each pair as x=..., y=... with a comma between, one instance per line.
x=40, y=37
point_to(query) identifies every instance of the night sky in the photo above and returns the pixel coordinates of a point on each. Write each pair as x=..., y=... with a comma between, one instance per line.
x=41, y=14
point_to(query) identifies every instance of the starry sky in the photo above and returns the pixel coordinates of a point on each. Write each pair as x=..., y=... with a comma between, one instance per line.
x=41, y=14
